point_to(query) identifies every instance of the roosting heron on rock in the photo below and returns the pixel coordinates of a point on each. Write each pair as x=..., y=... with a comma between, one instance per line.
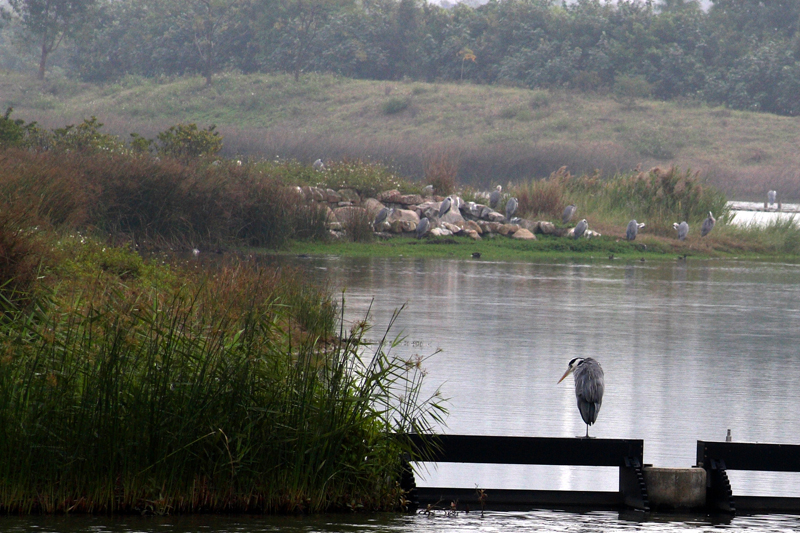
x=494, y=198
x=569, y=211
x=511, y=208
x=445, y=206
x=683, y=229
x=383, y=214
x=580, y=229
x=708, y=225
x=589, y=386
x=633, y=229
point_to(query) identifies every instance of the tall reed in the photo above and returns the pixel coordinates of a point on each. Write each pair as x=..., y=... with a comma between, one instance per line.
x=659, y=196
x=236, y=393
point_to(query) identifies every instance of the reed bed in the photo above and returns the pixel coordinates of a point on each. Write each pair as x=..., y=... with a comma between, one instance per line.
x=658, y=197
x=234, y=392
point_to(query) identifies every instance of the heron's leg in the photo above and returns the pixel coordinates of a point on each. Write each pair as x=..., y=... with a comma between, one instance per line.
x=587, y=431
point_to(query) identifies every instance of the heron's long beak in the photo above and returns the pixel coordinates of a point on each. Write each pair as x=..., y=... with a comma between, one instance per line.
x=567, y=373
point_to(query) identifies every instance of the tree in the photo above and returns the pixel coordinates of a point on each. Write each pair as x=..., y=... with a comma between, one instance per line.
x=50, y=21
x=299, y=24
x=210, y=24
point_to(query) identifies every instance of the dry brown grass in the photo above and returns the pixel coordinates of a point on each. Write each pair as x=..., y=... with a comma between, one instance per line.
x=498, y=132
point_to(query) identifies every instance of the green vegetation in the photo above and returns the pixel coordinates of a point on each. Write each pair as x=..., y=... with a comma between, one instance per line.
x=140, y=383
x=741, y=153
x=739, y=53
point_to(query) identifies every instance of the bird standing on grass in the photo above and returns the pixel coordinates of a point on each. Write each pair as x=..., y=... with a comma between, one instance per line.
x=423, y=227
x=318, y=165
x=708, y=225
x=683, y=230
x=633, y=229
x=589, y=387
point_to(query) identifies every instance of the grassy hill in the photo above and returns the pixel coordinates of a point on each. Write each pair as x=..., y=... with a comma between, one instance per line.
x=494, y=134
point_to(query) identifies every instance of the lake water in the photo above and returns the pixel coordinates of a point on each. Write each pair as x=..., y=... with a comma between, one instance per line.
x=690, y=349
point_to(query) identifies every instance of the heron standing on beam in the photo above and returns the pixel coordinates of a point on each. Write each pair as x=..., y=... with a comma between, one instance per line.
x=589, y=387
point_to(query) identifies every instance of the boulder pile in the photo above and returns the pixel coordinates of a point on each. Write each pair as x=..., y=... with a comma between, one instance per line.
x=474, y=220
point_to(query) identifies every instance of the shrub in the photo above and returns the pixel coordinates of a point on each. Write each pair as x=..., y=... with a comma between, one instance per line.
x=441, y=170
x=85, y=136
x=186, y=141
x=395, y=105
x=628, y=88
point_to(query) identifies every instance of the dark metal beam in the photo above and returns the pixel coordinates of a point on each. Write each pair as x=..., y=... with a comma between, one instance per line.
x=525, y=450
x=750, y=456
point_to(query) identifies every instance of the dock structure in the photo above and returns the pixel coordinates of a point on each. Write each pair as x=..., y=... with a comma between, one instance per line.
x=719, y=457
x=704, y=487
x=625, y=454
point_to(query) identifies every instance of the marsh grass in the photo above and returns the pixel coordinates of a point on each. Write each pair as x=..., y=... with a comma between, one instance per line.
x=234, y=392
x=658, y=197
x=263, y=116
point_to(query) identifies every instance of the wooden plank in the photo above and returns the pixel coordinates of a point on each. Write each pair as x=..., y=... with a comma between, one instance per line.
x=517, y=500
x=750, y=456
x=527, y=450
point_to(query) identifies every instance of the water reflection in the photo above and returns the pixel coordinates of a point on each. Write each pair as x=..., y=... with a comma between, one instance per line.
x=689, y=348
x=544, y=520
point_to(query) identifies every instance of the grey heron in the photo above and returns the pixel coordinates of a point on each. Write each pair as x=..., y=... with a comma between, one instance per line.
x=427, y=190
x=633, y=229
x=318, y=165
x=771, y=197
x=569, y=211
x=423, y=227
x=445, y=206
x=511, y=208
x=589, y=387
x=708, y=225
x=382, y=215
x=683, y=229
x=580, y=229
x=494, y=198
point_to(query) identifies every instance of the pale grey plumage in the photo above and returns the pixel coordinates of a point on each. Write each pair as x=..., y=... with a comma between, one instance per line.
x=318, y=165
x=383, y=214
x=511, y=208
x=494, y=198
x=633, y=229
x=683, y=229
x=580, y=229
x=569, y=211
x=445, y=206
x=423, y=227
x=589, y=387
x=771, y=197
x=708, y=225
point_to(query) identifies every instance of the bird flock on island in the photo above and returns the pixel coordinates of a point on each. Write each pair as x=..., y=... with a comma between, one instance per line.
x=512, y=204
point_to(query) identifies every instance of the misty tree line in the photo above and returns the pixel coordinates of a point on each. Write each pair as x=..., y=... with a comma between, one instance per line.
x=741, y=53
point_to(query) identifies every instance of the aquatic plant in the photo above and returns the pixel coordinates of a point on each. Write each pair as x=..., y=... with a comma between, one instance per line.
x=231, y=389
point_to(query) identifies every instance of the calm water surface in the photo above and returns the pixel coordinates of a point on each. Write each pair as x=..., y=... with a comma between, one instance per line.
x=690, y=349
